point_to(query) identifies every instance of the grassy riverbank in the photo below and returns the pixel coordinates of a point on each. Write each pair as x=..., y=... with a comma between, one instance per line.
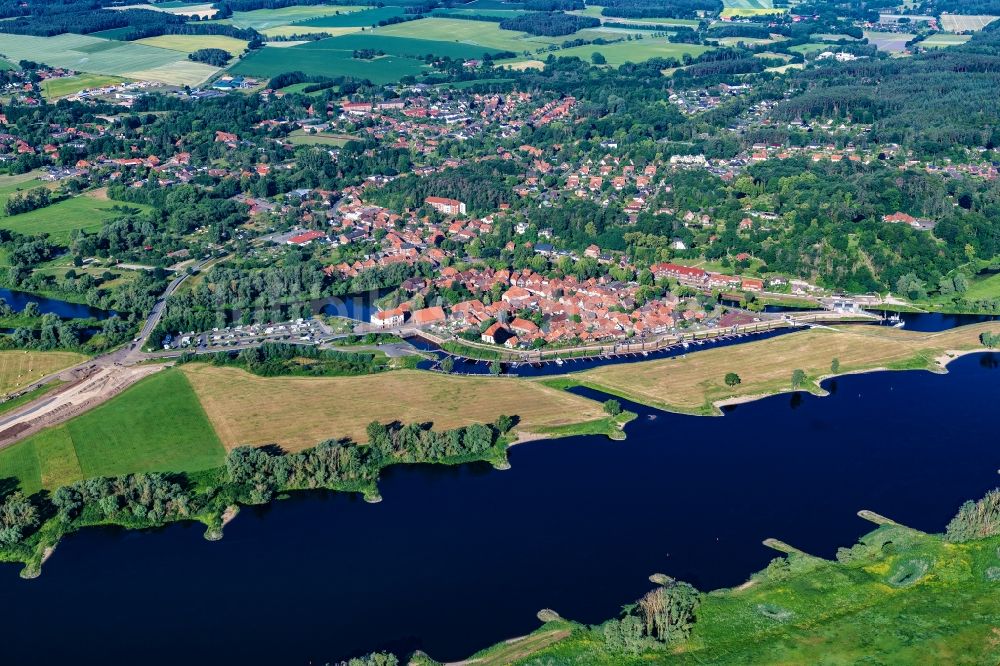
x=899, y=596
x=297, y=412
x=694, y=383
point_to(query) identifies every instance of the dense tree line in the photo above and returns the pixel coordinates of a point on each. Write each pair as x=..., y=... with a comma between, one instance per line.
x=40, y=197
x=659, y=8
x=273, y=359
x=976, y=520
x=214, y=57
x=482, y=187
x=257, y=474
x=551, y=24
x=48, y=20
x=662, y=616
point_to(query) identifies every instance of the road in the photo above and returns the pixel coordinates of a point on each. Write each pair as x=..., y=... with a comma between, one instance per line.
x=90, y=383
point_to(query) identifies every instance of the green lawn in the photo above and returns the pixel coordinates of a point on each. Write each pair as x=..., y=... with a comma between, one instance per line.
x=70, y=85
x=301, y=138
x=158, y=425
x=59, y=219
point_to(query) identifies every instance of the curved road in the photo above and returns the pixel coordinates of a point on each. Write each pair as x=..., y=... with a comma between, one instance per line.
x=91, y=382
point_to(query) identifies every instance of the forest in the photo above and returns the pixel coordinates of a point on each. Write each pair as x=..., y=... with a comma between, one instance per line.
x=551, y=24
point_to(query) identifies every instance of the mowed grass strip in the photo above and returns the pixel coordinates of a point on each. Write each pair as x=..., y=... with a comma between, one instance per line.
x=20, y=368
x=158, y=425
x=693, y=383
x=299, y=412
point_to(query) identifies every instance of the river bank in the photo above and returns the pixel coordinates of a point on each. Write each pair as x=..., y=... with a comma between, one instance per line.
x=524, y=538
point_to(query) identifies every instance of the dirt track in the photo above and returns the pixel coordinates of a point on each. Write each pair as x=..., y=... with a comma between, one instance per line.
x=91, y=387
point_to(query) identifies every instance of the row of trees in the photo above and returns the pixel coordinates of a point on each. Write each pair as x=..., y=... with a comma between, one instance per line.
x=256, y=474
x=40, y=197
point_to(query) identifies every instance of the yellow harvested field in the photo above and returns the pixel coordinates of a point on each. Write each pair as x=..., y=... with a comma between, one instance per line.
x=694, y=383
x=177, y=74
x=524, y=64
x=299, y=412
x=192, y=43
x=20, y=368
x=290, y=30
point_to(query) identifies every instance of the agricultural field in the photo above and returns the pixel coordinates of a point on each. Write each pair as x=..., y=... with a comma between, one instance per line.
x=890, y=42
x=157, y=425
x=20, y=368
x=523, y=65
x=693, y=383
x=203, y=10
x=301, y=29
x=477, y=33
x=965, y=23
x=594, y=11
x=261, y=19
x=353, y=19
x=397, y=46
x=105, y=56
x=634, y=51
x=744, y=8
x=325, y=62
x=749, y=41
x=85, y=211
x=809, y=48
x=943, y=40
x=70, y=85
x=191, y=43
x=247, y=409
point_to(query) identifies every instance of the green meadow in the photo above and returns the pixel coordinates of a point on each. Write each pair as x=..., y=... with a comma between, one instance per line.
x=634, y=51
x=158, y=425
x=898, y=597
x=260, y=19
x=397, y=46
x=70, y=85
x=105, y=56
x=269, y=62
x=358, y=19
x=84, y=211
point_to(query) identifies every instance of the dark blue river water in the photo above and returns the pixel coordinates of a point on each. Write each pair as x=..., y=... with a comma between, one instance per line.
x=19, y=299
x=455, y=559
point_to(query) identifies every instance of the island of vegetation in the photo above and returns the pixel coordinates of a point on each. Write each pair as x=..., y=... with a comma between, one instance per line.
x=899, y=595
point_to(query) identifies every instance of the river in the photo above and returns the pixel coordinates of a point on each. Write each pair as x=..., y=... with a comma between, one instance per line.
x=66, y=310
x=456, y=558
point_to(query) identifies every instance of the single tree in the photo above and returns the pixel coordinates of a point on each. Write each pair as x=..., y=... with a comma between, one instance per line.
x=798, y=378
x=613, y=407
x=835, y=365
x=732, y=379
